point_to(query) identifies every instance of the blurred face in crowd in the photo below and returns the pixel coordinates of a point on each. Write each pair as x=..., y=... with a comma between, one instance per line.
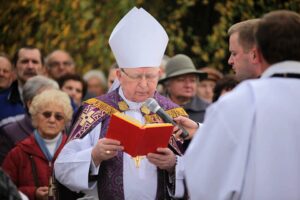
x=29, y=64
x=50, y=120
x=59, y=64
x=6, y=73
x=111, y=77
x=182, y=88
x=74, y=89
x=205, y=89
x=95, y=86
x=138, y=84
x=241, y=60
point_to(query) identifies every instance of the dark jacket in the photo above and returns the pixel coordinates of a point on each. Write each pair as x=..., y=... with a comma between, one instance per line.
x=13, y=133
x=196, y=109
x=11, y=104
x=18, y=164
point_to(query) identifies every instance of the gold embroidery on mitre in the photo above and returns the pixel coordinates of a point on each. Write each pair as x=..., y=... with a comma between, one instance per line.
x=175, y=112
x=123, y=106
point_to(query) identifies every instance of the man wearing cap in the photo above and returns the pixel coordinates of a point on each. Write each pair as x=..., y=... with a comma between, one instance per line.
x=97, y=166
x=180, y=85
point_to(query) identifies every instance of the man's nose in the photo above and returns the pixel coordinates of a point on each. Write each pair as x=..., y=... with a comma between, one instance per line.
x=230, y=60
x=31, y=64
x=143, y=81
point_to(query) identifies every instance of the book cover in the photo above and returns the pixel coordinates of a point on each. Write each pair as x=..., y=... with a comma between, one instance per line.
x=138, y=139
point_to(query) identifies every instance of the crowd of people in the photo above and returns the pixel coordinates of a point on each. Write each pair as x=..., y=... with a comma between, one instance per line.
x=242, y=144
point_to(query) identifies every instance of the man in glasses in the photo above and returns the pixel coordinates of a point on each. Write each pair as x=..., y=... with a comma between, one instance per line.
x=59, y=63
x=98, y=166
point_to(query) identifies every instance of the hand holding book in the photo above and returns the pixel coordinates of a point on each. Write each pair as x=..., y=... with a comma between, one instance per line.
x=105, y=149
x=138, y=139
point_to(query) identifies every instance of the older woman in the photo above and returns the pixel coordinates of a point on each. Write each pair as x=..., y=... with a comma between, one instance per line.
x=30, y=163
x=14, y=132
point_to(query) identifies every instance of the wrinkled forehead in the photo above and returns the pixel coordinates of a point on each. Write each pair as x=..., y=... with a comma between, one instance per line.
x=4, y=63
x=60, y=57
x=29, y=54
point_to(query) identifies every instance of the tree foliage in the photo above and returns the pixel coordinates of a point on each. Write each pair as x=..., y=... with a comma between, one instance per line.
x=196, y=28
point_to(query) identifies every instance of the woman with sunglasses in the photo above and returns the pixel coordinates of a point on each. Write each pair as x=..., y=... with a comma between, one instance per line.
x=30, y=163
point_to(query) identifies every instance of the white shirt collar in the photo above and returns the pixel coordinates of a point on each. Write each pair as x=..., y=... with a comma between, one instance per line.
x=282, y=67
x=132, y=105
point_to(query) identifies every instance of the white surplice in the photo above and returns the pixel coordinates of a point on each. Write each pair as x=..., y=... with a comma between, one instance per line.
x=249, y=144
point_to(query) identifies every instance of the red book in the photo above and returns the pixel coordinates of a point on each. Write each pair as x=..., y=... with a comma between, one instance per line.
x=138, y=139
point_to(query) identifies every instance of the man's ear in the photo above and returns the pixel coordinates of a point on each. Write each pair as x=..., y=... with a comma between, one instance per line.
x=118, y=73
x=255, y=55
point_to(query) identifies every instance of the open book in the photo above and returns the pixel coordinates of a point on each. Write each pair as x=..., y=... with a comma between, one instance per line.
x=138, y=139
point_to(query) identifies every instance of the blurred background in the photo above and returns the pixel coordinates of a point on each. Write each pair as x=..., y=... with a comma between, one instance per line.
x=82, y=27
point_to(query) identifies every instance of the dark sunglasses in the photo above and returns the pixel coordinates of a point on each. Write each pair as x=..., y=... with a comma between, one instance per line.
x=57, y=116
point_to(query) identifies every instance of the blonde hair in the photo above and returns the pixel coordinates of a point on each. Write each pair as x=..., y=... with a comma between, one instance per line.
x=51, y=96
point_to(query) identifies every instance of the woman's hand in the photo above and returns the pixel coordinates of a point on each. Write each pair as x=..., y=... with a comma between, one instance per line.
x=41, y=193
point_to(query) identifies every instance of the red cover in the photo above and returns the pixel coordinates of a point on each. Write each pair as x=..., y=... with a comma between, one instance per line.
x=137, y=139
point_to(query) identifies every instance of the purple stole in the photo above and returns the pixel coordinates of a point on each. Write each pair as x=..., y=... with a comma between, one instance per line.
x=110, y=177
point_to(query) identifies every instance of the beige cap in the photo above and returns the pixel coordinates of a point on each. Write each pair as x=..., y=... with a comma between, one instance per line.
x=179, y=65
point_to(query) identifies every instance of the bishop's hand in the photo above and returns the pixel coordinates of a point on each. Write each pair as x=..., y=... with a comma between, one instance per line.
x=105, y=149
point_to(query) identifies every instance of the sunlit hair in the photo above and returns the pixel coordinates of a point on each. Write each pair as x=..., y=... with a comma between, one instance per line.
x=246, y=30
x=51, y=97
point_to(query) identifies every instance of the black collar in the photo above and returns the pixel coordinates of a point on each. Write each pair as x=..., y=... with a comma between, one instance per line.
x=286, y=75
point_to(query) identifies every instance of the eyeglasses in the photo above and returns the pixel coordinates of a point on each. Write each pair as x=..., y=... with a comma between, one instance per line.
x=56, y=64
x=57, y=116
x=139, y=77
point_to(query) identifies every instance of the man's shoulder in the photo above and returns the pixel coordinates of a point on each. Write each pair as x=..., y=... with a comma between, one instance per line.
x=92, y=112
x=165, y=102
x=17, y=130
x=197, y=104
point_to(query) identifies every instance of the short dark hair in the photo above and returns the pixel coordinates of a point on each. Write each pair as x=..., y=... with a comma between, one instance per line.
x=278, y=36
x=227, y=83
x=16, y=55
x=76, y=77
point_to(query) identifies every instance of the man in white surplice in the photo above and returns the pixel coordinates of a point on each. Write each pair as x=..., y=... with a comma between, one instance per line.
x=138, y=43
x=249, y=144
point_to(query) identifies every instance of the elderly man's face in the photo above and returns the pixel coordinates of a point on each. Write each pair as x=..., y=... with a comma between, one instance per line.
x=95, y=86
x=6, y=73
x=29, y=64
x=138, y=84
x=60, y=64
x=183, y=86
